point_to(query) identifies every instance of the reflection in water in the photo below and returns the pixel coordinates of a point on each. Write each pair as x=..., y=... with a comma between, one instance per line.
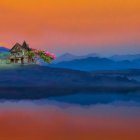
x=61, y=119
x=98, y=98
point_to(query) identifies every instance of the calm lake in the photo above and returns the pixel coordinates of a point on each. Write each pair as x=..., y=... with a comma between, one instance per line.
x=83, y=116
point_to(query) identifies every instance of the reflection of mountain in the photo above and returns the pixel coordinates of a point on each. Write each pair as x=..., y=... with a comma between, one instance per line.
x=38, y=82
x=96, y=63
x=133, y=98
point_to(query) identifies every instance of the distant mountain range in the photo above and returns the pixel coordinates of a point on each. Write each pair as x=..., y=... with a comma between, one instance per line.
x=93, y=61
x=3, y=49
x=97, y=63
x=69, y=57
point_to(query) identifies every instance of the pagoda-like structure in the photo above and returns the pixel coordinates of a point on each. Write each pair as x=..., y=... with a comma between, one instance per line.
x=19, y=54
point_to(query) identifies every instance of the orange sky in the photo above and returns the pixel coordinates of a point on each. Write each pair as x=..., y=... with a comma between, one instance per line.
x=72, y=25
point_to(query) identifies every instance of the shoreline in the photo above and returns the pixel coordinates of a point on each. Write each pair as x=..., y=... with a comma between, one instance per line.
x=44, y=92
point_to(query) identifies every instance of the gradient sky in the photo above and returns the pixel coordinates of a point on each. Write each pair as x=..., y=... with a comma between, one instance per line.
x=77, y=26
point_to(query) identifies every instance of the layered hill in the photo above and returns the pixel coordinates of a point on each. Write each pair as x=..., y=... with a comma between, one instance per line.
x=97, y=63
x=3, y=49
x=38, y=81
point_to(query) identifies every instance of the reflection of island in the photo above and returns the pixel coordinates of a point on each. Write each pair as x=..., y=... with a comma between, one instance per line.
x=38, y=82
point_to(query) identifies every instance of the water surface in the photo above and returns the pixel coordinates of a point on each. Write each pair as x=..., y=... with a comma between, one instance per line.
x=83, y=116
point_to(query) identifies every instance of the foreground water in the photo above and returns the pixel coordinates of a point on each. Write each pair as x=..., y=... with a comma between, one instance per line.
x=81, y=116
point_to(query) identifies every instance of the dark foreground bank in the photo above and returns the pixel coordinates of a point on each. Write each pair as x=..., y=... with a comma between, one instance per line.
x=35, y=82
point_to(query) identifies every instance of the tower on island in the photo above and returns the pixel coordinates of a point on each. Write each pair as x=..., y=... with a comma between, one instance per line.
x=19, y=54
